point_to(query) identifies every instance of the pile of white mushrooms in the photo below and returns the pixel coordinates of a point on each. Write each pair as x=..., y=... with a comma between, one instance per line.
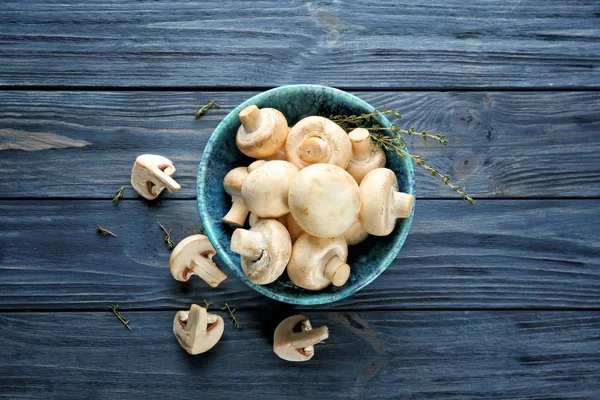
x=313, y=191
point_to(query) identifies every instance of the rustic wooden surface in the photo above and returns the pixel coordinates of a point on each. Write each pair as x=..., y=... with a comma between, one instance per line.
x=351, y=44
x=500, y=300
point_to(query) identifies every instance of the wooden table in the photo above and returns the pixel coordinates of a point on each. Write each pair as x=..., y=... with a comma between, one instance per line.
x=499, y=300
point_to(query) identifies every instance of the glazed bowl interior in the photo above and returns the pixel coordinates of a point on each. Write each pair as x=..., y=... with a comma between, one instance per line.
x=367, y=260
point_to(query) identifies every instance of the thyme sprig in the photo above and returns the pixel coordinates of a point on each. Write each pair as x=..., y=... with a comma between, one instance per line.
x=168, y=241
x=202, y=110
x=115, y=311
x=102, y=231
x=207, y=304
x=232, y=315
x=118, y=194
x=390, y=140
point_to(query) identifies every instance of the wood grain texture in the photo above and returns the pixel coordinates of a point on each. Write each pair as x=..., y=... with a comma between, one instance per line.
x=500, y=254
x=444, y=44
x=433, y=355
x=502, y=144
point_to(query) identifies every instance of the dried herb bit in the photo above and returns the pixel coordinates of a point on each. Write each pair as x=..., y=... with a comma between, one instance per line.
x=232, y=315
x=355, y=121
x=201, y=111
x=103, y=231
x=118, y=194
x=168, y=241
x=397, y=145
x=207, y=304
x=115, y=311
x=390, y=140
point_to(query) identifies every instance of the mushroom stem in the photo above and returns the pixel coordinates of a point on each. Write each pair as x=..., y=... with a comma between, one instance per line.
x=237, y=214
x=196, y=317
x=337, y=271
x=207, y=271
x=248, y=244
x=313, y=149
x=361, y=144
x=169, y=182
x=301, y=340
x=403, y=204
x=250, y=118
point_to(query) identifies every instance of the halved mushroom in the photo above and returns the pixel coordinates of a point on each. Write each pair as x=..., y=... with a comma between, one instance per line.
x=265, y=190
x=193, y=256
x=151, y=174
x=318, y=262
x=356, y=234
x=265, y=250
x=364, y=159
x=262, y=133
x=233, y=186
x=318, y=140
x=294, y=338
x=324, y=200
x=382, y=203
x=196, y=330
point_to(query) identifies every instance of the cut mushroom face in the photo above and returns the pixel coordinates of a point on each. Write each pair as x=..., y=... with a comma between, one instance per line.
x=382, y=203
x=318, y=140
x=265, y=190
x=319, y=262
x=324, y=200
x=363, y=160
x=193, y=256
x=196, y=330
x=356, y=234
x=151, y=174
x=262, y=133
x=233, y=186
x=265, y=250
x=294, y=338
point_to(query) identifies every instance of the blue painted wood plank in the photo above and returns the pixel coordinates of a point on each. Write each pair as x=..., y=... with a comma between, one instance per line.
x=384, y=355
x=83, y=144
x=360, y=44
x=498, y=254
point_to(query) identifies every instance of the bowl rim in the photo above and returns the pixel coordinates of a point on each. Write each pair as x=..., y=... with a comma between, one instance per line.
x=210, y=228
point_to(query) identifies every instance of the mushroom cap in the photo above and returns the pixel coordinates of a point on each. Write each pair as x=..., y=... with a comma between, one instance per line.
x=380, y=205
x=274, y=258
x=356, y=234
x=196, y=330
x=193, y=256
x=151, y=174
x=262, y=133
x=364, y=159
x=337, y=151
x=292, y=226
x=265, y=190
x=310, y=256
x=255, y=165
x=232, y=183
x=324, y=200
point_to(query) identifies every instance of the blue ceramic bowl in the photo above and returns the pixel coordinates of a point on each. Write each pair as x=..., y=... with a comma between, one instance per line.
x=367, y=260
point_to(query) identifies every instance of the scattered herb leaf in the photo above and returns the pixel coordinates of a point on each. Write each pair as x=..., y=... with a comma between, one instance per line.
x=102, y=231
x=115, y=311
x=207, y=304
x=118, y=194
x=168, y=241
x=202, y=110
x=232, y=315
x=390, y=139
